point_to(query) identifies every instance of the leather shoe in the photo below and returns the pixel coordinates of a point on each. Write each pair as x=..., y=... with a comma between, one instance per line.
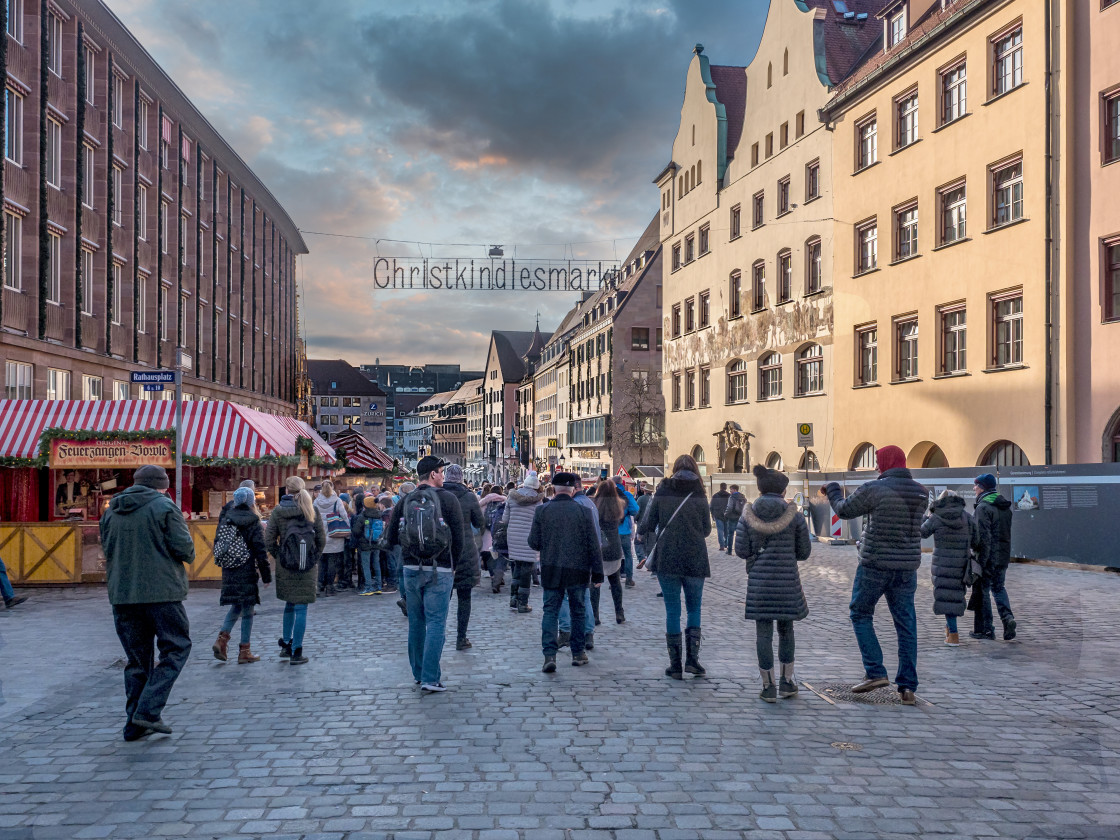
x=156, y=725
x=907, y=696
x=870, y=685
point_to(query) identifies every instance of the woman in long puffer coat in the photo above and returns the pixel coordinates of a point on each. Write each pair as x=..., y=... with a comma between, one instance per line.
x=772, y=538
x=239, y=585
x=955, y=535
x=521, y=506
x=328, y=504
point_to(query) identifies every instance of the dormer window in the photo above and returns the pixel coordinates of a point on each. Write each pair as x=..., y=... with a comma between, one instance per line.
x=896, y=27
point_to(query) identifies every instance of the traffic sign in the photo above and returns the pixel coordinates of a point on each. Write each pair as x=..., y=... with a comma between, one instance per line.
x=804, y=434
x=622, y=472
x=153, y=377
x=150, y=387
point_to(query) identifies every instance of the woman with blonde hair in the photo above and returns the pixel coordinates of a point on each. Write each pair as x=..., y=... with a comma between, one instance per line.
x=295, y=517
x=331, y=508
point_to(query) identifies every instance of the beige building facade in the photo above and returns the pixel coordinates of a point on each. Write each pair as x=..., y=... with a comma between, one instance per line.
x=746, y=225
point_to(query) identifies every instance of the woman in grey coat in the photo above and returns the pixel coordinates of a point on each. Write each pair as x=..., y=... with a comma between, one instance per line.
x=521, y=506
x=955, y=536
x=772, y=537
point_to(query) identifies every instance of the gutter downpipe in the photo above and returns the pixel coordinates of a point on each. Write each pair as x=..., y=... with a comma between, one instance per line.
x=1049, y=398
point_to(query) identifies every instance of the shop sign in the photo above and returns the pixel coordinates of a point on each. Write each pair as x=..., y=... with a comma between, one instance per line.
x=110, y=453
x=587, y=453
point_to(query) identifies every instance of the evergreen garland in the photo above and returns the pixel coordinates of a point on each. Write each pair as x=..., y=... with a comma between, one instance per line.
x=3, y=131
x=110, y=208
x=44, y=236
x=79, y=190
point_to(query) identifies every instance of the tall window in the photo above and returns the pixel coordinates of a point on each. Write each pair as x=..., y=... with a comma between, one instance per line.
x=1007, y=313
x=758, y=204
x=735, y=295
x=754, y=154
x=118, y=196
x=676, y=320
x=141, y=304
x=758, y=286
x=812, y=180
x=705, y=387
x=183, y=239
x=54, y=268
x=15, y=20
x=690, y=315
x=676, y=392
x=954, y=215
x=906, y=231
x=705, y=309
x=54, y=154
x=1007, y=72
x=705, y=232
x=58, y=384
x=896, y=28
x=142, y=123
x=906, y=129
x=13, y=251
x=813, y=273
x=676, y=256
x=906, y=347
x=1112, y=128
x=867, y=132
x=783, y=195
x=88, y=179
x=1112, y=281
x=953, y=341
x=120, y=390
x=954, y=93
x=690, y=389
x=867, y=340
x=91, y=74
x=785, y=276
x=689, y=248
x=737, y=381
x=799, y=123
x=810, y=370
x=736, y=221
x=770, y=377
x=867, y=246
x=770, y=144
x=115, y=302
x=13, y=126
x=54, y=44
x=87, y=282
x=1007, y=193
x=118, y=100
x=163, y=229
x=91, y=387
x=639, y=338
x=182, y=321
x=17, y=385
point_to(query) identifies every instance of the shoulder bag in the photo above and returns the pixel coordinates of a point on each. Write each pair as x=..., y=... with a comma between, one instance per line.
x=650, y=562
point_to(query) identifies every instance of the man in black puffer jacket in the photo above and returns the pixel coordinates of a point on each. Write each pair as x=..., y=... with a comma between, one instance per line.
x=993, y=521
x=890, y=552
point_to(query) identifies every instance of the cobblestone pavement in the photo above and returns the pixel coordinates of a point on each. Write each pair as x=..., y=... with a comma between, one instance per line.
x=1015, y=740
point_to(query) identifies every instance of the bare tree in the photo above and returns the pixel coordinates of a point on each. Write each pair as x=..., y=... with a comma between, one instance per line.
x=638, y=417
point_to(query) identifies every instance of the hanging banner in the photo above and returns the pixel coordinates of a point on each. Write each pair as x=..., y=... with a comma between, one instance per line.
x=109, y=453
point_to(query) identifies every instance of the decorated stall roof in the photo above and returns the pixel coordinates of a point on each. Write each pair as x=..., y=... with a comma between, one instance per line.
x=214, y=432
x=360, y=453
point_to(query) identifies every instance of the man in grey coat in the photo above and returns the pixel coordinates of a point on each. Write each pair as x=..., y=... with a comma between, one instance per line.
x=146, y=544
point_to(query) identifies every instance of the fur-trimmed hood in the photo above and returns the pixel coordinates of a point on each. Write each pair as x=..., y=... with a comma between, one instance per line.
x=525, y=496
x=770, y=514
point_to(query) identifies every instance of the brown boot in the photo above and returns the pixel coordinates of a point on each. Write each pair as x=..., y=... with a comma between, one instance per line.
x=245, y=655
x=220, y=646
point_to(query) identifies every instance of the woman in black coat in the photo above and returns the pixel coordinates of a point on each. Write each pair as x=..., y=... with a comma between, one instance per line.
x=955, y=536
x=467, y=571
x=239, y=584
x=680, y=517
x=772, y=538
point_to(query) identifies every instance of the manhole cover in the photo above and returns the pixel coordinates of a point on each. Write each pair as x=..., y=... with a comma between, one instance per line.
x=841, y=692
x=846, y=745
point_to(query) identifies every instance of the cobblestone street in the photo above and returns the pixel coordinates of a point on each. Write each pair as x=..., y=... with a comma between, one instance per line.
x=1017, y=740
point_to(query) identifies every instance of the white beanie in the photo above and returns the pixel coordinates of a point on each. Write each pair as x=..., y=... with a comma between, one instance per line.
x=531, y=481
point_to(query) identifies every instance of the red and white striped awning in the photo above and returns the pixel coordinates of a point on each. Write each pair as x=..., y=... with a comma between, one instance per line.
x=210, y=429
x=360, y=453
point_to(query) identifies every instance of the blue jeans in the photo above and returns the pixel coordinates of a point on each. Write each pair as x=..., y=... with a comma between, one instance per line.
x=671, y=586
x=640, y=550
x=142, y=628
x=721, y=532
x=372, y=579
x=5, y=584
x=394, y=566
x=427, y=592
x=579, y=597
x=951, y=623
x=627, y=555
x=899, y=588
x=295, y=622
x=729, y=526
x=993, y=582
x=565, y=614
x=246, y=614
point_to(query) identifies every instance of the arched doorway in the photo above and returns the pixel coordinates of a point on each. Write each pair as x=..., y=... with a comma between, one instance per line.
x=1004, y=453
x=863, y=458
x=735, y=459
x=1111, y=449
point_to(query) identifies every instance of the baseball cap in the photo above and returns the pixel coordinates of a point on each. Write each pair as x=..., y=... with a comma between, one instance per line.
x=429, y=464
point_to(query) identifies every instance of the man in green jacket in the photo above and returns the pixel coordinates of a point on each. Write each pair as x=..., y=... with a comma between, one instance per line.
x=146, y=542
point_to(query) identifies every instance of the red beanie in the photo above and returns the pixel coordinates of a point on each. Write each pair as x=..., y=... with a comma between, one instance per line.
x=890, y=458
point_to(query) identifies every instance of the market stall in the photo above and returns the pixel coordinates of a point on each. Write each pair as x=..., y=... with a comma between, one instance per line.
x=368, y=467
x=64, y=460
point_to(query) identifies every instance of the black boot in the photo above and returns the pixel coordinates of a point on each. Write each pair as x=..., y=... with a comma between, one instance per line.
x=595, y=591
x=297, y=657
x=285, y=649
x=673, y=640
x=563, y=639
x=692, y=660
x=616, y=596
x=523, y=601
x=513, y=587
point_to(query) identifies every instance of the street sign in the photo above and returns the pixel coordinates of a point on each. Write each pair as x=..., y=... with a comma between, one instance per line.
x=622, y=472
x=153, y=387
x=804, y=434
x=152, y=377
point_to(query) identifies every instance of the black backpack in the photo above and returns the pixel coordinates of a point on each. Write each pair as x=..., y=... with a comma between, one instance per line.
x=230, y=549
x=297, y=549
x=423, y=532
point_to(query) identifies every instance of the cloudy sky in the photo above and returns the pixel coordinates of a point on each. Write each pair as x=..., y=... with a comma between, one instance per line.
x=537, y=125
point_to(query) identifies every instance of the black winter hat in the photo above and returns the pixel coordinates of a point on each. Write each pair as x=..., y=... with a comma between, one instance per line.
x=151, y=476
x=770, y=481
x=566, y=479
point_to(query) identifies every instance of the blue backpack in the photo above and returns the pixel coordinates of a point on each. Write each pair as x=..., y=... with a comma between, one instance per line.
x=374, y=529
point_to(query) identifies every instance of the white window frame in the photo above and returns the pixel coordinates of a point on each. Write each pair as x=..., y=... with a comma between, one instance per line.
x=906, y=348
x=120, y=390
x=115, y=307
x=953, y=201
x=906, y=231
x=142, y=123
x=20, y=381
x=867, y=142
x=92, y=387
x=91, y=73
x=54, y=153
x=58, y=381
x=118, y=198
x=13, y=139
x=142, y=304
x=143, y=201
x=812, y=180
x=737, y=382
x=118, y=100
x=810, y=370
x=896, y=28
x=1012, y=322
x=1007, y=193
x=89, y=160
x=954, y=339
x=785, y=275
x=867, y=354
x=867, y=246
x=181, y=321
x=54, y=268
x=15, y=20
x=906, y=119
x=954, y=92
x=13, y=252
x=87, y=281
x=183, y=222
x=1007, y=61
x=163, y=226
x=814, y=273
x=54, y=44
x=770, y=376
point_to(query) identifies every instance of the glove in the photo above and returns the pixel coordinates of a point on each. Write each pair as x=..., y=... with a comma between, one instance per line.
x=830, y=487
x=597, y=578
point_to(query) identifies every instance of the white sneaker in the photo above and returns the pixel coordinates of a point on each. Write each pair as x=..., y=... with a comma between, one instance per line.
x=430, y=687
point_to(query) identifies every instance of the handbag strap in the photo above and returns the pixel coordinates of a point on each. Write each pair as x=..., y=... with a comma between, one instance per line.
x=653, y=547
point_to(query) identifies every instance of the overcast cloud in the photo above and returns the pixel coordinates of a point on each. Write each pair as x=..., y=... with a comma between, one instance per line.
x=527, y=123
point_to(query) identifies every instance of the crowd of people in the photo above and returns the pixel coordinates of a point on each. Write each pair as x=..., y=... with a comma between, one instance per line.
x=430, y=540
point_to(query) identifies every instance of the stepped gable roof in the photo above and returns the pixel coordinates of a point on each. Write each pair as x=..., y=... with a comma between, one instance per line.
x=917, y=30
x=348, y=379
x=846, y=41
x=512, y=347
x=731, y=91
